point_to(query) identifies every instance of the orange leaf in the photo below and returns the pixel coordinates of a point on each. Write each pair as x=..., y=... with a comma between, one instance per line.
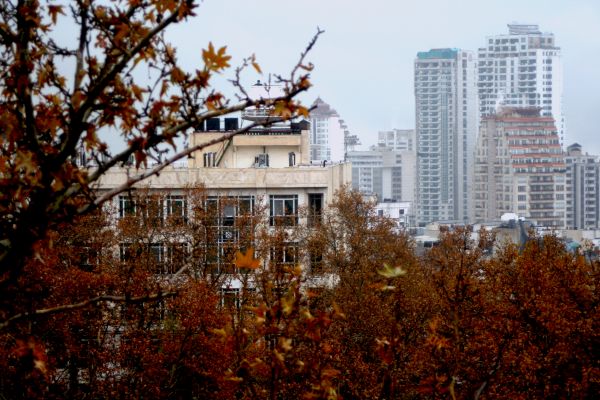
x=246, y=260
x=215, y=61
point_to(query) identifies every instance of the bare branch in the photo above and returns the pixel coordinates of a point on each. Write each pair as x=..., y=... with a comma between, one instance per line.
x=85, y=303
x=307, y=50
x=83, y=15
x=81, y=113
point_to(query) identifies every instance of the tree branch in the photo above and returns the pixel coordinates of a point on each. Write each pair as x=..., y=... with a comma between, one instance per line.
x=80, y=115
x=83, y=14
x=85, y=303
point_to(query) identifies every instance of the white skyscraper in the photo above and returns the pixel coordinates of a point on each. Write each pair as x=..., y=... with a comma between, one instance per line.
x=327, y=132
x=522, y=69
x=446, y=128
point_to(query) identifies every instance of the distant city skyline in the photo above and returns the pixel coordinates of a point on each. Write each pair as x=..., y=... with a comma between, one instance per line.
x=364, y=61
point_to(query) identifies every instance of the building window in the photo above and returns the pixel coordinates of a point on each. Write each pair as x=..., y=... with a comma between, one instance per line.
x=292, y=158
x=157, y=257
x=315, y=208
x=230, y=298
x=89, y=257
x=176, y=208
x=283, y=210
x=285, y=255
x=127, y=206
x=126, y=252
x=210, y=159
x=316, y=261
x=229, y=229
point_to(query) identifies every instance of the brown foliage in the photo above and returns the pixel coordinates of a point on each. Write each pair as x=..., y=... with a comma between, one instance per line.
x=366, y=319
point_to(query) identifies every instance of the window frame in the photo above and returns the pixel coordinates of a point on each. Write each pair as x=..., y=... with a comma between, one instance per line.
x=282, y=217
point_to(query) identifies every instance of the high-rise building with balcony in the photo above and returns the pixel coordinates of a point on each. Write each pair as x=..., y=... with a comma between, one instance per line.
x=583, y=189
x=519, y=168
x=522, y=69
x=446, y=128
x=327, y=133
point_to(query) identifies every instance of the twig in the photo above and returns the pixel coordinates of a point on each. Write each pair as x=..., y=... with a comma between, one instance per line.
x=85, y=303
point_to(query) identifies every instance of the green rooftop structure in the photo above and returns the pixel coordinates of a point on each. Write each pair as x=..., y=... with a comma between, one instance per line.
x=438, y=54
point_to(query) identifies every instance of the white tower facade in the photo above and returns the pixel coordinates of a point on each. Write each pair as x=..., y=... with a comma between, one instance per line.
x=327, y=133
x=522, y=69
x=447, y=118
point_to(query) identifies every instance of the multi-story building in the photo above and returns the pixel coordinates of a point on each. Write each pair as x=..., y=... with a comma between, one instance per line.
x=397, y=139
x=583, y=189
x=446, y=129
x=398, y=211
x=519, y=168
x=262, y=169
x=388, y=174
x=327, y=133
x=522, y=69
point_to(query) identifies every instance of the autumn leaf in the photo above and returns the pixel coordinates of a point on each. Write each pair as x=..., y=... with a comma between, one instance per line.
x=391, y=272
x=287, y=302
x=246, y=260
x=255, y=64
x=303, y=111
x=285, y=344
x=215, y=61
x=282, y=109
x=177, y=75
x=214, y=101
x=54, y=10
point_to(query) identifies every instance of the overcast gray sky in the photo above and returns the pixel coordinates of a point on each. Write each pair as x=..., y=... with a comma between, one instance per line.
x=364, y=61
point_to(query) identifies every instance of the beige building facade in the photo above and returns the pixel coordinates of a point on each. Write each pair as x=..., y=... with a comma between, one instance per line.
x=519, y=168
x=263, y=169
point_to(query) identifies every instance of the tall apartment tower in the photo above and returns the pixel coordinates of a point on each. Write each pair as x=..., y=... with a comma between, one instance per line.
x=583, y=189
x=519, y=168
x=327, y=133
x=446, y=128
x=522, y=69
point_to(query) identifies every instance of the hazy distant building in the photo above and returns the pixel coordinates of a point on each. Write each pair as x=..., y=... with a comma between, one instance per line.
x=327, y=133
x=446, y=129
x=397, y=139
x=388, y=174
x=399, y=212
x=519, y=168
x=583, y=189
x=522, y=69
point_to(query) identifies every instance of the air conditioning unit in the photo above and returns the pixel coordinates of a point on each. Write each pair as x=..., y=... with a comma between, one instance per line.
x=231, y=124
x=261, y=160
x=213, y=124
